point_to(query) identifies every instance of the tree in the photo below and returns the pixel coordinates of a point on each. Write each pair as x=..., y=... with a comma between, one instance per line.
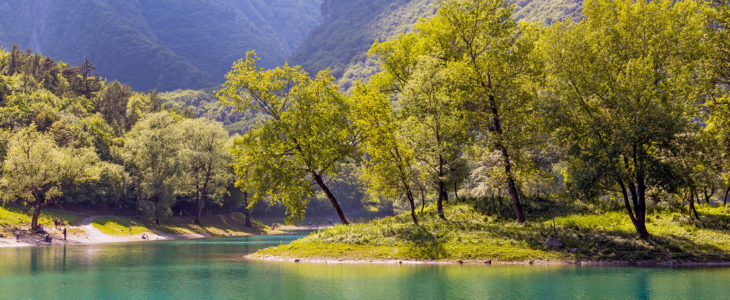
x=86, y=69
x=150, y=156
x=391, y=167
x=204, y=171
x=426, y=110
x=15, y=61
x=718, y=123
x=37, y=172
x=491, y=60
x=112, y=104
x=306, y=136
x=628, y=77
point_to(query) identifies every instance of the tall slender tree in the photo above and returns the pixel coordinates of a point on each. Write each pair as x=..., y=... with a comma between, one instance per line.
x=491, y=61
x=425, y=106
x=391, y=168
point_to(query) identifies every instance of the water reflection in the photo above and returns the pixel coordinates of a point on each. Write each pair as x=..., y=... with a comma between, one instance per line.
x=205, y=269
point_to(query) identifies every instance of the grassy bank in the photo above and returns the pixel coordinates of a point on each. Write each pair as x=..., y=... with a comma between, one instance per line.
x=472, y=233
x=20, y=217
x=233, y=224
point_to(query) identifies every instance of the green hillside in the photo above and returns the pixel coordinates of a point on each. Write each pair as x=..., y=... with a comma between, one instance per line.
x=163, y=44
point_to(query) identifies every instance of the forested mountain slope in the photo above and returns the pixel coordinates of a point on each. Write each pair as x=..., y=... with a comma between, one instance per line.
x=163, y=44
x=350, y=27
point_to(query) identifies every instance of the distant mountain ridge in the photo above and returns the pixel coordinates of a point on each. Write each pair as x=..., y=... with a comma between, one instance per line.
x=163, y=44
x=191, y=44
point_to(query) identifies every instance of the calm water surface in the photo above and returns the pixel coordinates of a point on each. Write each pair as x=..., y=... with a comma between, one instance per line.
x=214, y=269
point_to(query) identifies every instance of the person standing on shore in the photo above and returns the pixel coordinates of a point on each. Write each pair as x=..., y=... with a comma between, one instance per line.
x=64, y=233
x=17, y=236
x=130, y=229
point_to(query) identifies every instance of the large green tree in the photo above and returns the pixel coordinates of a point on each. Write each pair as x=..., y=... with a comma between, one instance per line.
x=390, y=169
x=426, y=107
x=719, y=107
x=112, y=104
x=490, y=57
x=204, y=162
x=37, y=172
x=628, y=76
x=307, y=133
x=150, y=155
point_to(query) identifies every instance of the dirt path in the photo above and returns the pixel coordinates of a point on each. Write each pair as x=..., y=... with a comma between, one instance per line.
x=94, y=234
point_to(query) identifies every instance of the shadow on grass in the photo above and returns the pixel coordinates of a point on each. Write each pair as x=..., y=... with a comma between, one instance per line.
x=602, y=244
x=421, y=241
x=535, y=208
x=710, y=220
x=213, y=225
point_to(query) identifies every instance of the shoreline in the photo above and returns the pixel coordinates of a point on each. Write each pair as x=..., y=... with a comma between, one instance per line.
x=86, y=234
x=587, y=263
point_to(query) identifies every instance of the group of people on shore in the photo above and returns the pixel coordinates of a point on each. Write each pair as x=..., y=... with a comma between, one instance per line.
x=39, y=229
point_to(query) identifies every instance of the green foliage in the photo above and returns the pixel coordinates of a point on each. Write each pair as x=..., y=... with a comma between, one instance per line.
x=627, y=100
x=205, y=104
x=36, y=171
x=305, y=137
x=150, y=156
x=204, y=162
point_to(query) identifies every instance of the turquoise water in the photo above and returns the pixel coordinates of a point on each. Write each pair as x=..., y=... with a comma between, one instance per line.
x=214, y=269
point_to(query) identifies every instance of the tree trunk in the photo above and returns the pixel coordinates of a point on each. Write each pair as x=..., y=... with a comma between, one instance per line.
x=697, y=197
x=512, y=187
x=724, y=199
x=692, y=208
x=709, y=195
x=246, y=213
x=439, y=202
x=331, y=197
x=409, y=194
x=36, y=214
x=636, y=213
x=499, y=198
x=441, y=191
x=199, y=209
x=423, y=200
x=641, y=211
x=456, y=192
x=497, y=129
x=516, y=200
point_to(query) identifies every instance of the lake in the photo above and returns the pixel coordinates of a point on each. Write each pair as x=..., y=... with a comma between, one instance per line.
x=215, y=269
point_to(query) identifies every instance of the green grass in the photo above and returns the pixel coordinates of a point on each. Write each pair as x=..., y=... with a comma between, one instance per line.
x=119, y=226
x=11, y=216
x=473, y=234
x=213, y=225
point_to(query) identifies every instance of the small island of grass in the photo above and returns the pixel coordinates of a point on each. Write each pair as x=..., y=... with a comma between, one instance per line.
x=472, y=233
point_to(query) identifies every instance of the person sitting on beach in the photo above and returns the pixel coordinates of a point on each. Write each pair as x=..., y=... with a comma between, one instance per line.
x=144, y=236
x=48, y=238
x=41, y=229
